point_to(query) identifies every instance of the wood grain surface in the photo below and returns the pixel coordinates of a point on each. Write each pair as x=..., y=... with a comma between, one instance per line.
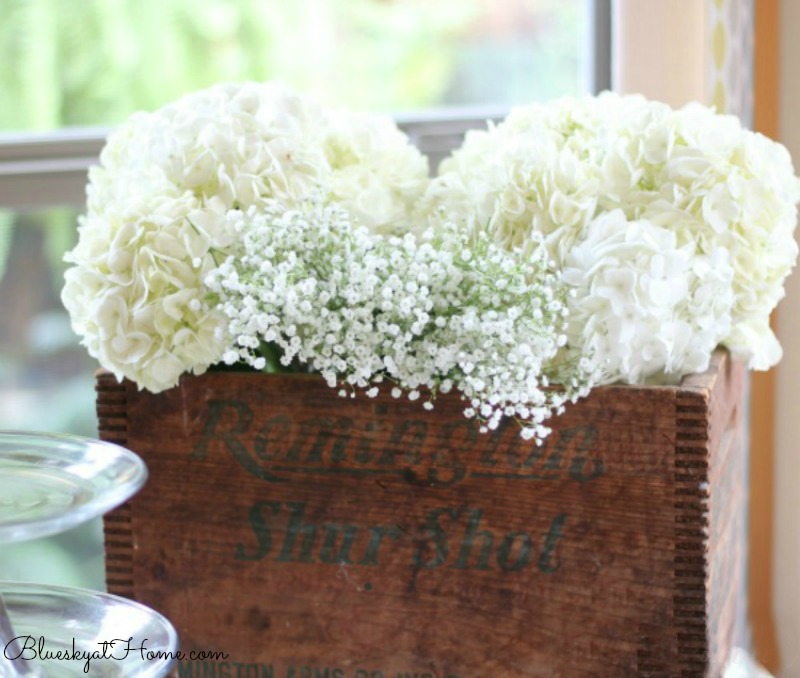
x=313, y=536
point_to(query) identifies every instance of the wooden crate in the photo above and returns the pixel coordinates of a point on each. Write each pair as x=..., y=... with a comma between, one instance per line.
x=310, y=536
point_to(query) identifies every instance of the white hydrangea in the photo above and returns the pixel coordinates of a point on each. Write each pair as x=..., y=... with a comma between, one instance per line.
x=157, y=204
x=376, y=174
x=647, y=308
x=726, y=194
x=433, y=315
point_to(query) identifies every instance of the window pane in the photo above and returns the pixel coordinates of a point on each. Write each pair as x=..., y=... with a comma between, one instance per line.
x=46, y=381
x=95, y=61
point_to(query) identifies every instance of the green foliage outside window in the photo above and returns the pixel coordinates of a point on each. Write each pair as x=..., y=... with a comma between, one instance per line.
x=87, y=62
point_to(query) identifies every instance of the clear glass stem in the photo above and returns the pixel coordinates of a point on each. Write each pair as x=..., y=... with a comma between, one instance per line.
x=11, y=666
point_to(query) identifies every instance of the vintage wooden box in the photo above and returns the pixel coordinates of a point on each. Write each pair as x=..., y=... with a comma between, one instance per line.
x=312, y=536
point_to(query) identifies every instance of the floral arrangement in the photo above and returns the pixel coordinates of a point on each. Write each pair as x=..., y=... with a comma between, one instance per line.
x=580, y=242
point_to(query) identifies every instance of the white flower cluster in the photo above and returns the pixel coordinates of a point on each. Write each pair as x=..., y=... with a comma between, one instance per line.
x=244, y=220
x=674, y=227
x=649, y=307
x=445, y=312
x=156, y=218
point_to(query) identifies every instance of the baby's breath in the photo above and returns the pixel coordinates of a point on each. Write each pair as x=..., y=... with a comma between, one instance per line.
x=448, y=310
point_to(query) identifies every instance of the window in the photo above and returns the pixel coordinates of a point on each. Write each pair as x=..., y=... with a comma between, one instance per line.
x=94, y=62
x=454, y=63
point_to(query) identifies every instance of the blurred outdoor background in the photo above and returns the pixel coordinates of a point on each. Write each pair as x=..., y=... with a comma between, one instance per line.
x=92, y=63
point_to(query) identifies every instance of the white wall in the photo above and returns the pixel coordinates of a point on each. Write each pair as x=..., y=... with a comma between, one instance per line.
x=644, y=58
x=787, y=462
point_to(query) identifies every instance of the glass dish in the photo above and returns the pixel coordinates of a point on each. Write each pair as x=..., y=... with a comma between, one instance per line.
x=50, y=483
x=79, y=624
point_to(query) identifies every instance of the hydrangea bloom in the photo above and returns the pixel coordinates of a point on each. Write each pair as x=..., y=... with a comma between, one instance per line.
x=157, y=204
x=646, y=307
x=444, y=313
x=726, y=195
